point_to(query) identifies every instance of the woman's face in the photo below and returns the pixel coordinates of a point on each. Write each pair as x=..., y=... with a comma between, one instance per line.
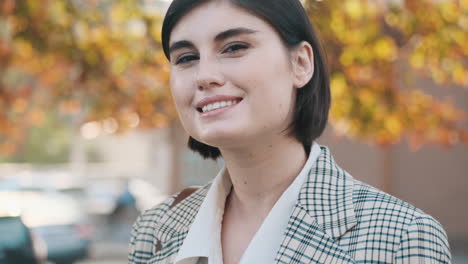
x=231, y=76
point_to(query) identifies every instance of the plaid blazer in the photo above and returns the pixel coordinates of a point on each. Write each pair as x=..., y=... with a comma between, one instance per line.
x=336, y=219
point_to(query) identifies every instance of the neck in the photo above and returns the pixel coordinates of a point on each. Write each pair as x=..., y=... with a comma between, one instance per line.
x=261, y=173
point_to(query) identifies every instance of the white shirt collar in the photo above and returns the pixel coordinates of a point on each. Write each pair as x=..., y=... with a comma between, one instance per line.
x=204, y=237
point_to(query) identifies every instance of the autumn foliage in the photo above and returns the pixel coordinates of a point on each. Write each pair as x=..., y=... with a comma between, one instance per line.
x=82, y=61
x=377, y=49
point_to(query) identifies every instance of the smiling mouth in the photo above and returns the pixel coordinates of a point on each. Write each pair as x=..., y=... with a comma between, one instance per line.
x=218, y=105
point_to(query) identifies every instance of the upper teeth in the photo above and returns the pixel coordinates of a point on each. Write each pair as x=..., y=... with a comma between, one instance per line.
x=218, y=105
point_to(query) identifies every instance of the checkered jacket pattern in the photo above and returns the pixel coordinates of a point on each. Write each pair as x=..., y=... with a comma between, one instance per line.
x=336, y=219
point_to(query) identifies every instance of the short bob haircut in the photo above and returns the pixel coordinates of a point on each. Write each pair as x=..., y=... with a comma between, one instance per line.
x=290, y=20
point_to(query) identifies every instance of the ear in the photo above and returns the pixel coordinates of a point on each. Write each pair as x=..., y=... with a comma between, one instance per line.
x=302, y=64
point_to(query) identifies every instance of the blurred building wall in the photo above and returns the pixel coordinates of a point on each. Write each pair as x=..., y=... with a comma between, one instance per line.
x=146, y=155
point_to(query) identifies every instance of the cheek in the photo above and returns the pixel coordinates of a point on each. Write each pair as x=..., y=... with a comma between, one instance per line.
x=183, y=110
x=269, y=66
x=181, y=92
x=269, y=77
x=270, y=86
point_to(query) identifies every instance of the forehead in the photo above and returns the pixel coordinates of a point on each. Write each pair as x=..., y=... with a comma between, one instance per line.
x=207, y=20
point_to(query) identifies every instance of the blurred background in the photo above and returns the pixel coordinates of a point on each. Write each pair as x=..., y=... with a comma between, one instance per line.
x=89, y=136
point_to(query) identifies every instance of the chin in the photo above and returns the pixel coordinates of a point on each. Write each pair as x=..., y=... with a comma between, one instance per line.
x=222, y=139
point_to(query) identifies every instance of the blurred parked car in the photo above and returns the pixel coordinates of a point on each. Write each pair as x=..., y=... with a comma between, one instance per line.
x=55, y=218
x=104, y=194
x=101, y=196
x=18, y=245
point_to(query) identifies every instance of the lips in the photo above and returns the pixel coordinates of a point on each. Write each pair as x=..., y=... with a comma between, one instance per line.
x=212, y=103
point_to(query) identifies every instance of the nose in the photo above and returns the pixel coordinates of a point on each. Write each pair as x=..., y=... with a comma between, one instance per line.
x=209, y=74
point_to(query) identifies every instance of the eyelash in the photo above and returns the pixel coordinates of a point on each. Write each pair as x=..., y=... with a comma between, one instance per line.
x=232, y=49
x=186, y=59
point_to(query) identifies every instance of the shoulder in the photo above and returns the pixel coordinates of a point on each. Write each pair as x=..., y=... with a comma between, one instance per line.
x=158, y=225
x=371, y=224
x=370, y=202
x=409, y=232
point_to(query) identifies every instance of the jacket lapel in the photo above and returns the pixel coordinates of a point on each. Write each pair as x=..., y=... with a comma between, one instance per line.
x=323, y=213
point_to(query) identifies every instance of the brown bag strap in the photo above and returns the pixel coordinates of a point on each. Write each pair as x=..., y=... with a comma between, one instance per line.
x=183, y=194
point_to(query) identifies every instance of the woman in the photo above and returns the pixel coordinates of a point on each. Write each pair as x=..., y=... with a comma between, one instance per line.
x=249, y=82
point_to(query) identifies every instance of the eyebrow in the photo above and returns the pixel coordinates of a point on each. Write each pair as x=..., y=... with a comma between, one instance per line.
x=233, y=32
x=180, y=45
x=219, y=37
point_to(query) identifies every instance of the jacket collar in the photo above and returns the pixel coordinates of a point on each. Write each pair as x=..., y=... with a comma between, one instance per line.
x=323, y=213
x=327, y=196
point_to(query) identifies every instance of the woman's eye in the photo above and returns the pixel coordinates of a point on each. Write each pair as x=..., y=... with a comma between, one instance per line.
x=235, y=48
x=186, y=59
